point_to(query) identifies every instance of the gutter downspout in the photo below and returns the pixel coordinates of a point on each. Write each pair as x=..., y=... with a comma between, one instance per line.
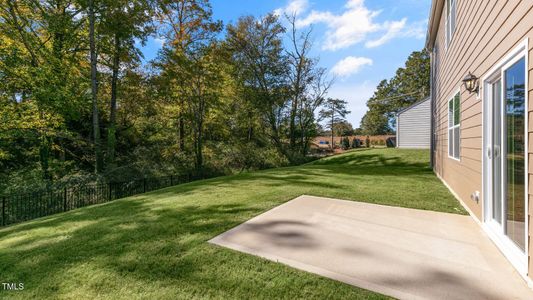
x=432, y=108
x=397, y=130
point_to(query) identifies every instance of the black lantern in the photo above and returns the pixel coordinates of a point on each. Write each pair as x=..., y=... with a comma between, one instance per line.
x=471, y=83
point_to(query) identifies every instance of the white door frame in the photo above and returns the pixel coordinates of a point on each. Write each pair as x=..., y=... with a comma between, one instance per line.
x=496, y=231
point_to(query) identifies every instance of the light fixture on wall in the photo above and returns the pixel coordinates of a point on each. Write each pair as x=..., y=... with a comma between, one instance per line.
x=471, y=83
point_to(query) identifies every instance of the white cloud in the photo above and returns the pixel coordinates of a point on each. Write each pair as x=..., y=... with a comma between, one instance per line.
x=350, y=65
x=293, y=7
x=393, y=30
x=355, y=25
x=315, y=17
x=397, y=29
x=346, y=29
x=417, y=30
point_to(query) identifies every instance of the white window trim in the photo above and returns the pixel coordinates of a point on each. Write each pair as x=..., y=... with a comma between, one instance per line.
x=447, y=31
x=458, y=91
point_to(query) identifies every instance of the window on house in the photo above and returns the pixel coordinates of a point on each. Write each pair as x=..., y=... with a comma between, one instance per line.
x=450, y=19
x=454, y=126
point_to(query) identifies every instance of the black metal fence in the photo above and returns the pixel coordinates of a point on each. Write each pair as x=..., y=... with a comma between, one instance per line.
x=23, y=207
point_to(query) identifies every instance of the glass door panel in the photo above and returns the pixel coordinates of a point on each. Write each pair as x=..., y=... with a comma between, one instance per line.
x=515, y=152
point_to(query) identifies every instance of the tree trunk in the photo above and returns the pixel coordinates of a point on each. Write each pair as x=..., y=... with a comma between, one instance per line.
x=304, y=139
x=302, y=122
x=250, y=126
x=275, y=136
x=181, y=133
x=305, y=146
x=44, y=156
x=292, y=125
x=111, y=131
x=94, y=89
x=199, y=132
x=199, y=147
x=332, y=134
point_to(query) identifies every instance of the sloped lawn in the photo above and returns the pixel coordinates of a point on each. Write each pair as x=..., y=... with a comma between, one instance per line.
x=154, y=245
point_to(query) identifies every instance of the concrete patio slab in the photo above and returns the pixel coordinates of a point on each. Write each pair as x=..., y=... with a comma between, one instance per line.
x=400, y=252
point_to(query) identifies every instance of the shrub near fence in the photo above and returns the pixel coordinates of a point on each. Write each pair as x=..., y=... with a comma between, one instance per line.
x=374, y=139
x=18, y=208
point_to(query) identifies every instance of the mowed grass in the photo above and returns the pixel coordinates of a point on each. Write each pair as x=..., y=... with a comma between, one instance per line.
x=154, y=246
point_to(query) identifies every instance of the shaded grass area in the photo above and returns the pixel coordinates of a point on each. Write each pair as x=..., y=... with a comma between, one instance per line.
x=155, y=245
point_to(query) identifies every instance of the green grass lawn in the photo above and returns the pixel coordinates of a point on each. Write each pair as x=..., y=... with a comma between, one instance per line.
x=155, y=245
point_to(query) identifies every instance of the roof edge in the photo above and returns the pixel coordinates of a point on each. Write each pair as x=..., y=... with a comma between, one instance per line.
x=412, y=106
x=433, y=24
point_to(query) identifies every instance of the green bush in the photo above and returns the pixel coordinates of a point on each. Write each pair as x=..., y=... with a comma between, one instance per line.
x=356, y=143
x=391, y=142
x=345, y=143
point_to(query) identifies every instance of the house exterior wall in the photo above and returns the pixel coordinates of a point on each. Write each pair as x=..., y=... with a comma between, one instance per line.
x=486, y=31
x=413, y=126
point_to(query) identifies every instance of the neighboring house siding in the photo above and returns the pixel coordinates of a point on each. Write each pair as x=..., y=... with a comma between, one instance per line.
x=414, y=126
x=485, y=32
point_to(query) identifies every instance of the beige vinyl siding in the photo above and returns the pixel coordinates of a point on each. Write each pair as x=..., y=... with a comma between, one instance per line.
x=414, y=126
x=485, y=32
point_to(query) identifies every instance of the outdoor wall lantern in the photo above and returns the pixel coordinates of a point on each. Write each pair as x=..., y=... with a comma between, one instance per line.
x=471, y=83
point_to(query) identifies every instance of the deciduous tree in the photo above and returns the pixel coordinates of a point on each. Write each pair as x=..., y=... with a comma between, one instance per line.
x=257, y=50
x=410, y=84
x=334, y=112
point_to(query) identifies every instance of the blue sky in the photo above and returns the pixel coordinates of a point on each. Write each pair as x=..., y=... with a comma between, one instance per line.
x=359, y=42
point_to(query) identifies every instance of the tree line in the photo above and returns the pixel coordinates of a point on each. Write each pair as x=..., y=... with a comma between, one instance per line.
x=409, y=85
x=78, y=101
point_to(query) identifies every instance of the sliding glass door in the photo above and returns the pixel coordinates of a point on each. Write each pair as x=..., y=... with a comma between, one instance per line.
x=505, y=157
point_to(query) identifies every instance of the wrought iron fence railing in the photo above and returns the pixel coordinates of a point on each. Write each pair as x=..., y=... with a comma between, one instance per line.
x=16, y=208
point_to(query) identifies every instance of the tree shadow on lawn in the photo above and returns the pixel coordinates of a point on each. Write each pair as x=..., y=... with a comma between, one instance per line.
x=374, y=160
x=290, y=176
x=132, y=247
x=272, y=179
x=318, y=173
x=372, y=165
x=267, y=179
x=128, y=238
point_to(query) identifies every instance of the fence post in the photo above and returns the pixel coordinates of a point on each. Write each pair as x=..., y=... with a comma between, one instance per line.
x=65, y=199
x=3, y=211
x=109, y=191
x=171, y=180
x=144, y=185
